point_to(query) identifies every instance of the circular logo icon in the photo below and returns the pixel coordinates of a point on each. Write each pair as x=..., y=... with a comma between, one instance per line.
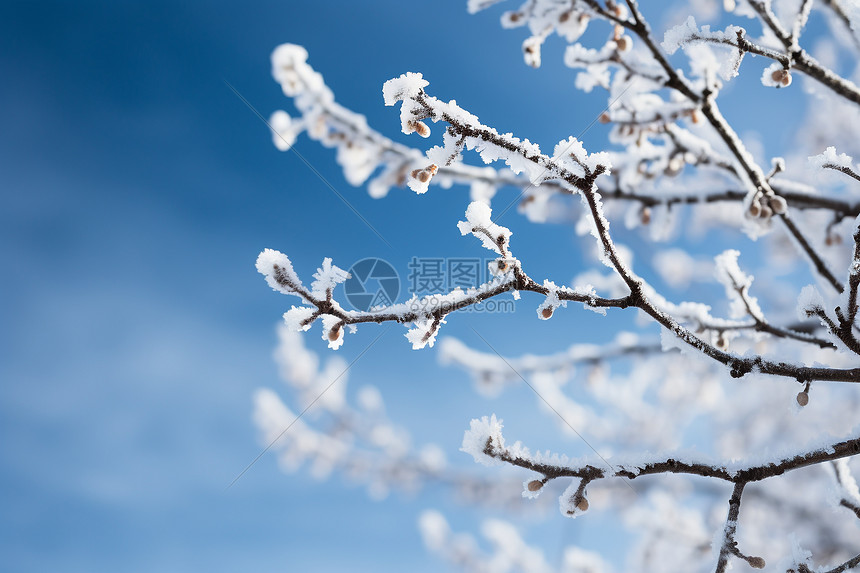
x=373, y=282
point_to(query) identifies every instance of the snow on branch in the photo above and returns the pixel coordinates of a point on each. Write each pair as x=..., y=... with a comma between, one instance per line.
x=426, y=313
x=675, y=164
x=838, y=162
x=572, y=166
x=485, y=442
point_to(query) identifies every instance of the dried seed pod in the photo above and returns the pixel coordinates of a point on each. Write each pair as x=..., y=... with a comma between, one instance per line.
x=334, y=333
x=696, y=116
x=766, y=212
x=756, y=562
x=546, y=312
x=803, y=398
x=423, y=176
x=415, y=173
x=604, y=118
x=564, y=17
x=722, y=342
x=645, y=215
x=535, y=485
x=778, y=204
x=502, y=265
x=581, y=504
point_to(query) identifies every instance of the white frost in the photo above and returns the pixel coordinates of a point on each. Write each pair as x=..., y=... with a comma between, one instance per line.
x=481, y=432
x=266, y=263
x=406, y=86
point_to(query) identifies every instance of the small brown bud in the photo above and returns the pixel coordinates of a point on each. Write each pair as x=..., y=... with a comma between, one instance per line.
x=334, y=333
x=645, y=215
x=696, y=116
x=564, y=17
x=432, y=169
x=755, y=208
x=546, y=312
x=502, y=264
x=803, y=398
x=624, y=43
x=778, y=204
x=423, y=176
x=756, y=562
x=515, y=16
x=781, y=76
x=722, y=342
x=829, y=240
x=535, y=485
x=418, y=127
x=604, y=118
x=415, y=173
x=582, y=504
x=766, y=212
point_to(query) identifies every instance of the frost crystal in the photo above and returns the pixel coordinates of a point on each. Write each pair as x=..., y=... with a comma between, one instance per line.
x=406, y=86
x=479, y=223
x=327, y=277
x=278, y=270
x=298, y=318
x=424, y=333
x=830, y=159
x=480, y=433
x=809, y=302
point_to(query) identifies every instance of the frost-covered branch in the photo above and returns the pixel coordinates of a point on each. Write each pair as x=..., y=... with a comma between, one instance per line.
x=848, y=493
x=737, y=285
x=571, y=165
x=426, y=313
x=363, y=151
x=799, y=59
x=675, y=164
x=761, y=199
x=484, y=441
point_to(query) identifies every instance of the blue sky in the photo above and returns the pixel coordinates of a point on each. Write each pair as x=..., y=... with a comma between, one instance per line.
x=137, y=193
